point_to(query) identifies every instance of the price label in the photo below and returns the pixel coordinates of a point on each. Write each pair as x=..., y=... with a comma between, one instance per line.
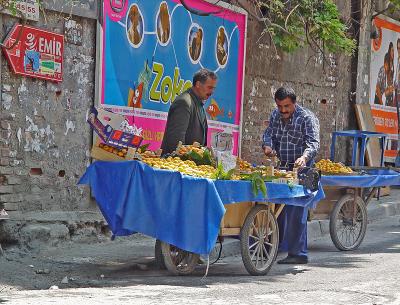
x=222, y=141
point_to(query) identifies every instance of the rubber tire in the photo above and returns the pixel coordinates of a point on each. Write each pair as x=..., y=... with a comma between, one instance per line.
x=159, y=256
x=333, y=218
x=170, y=265
x=244, y=240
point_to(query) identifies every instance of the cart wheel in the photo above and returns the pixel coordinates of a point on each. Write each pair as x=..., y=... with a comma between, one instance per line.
x=348, y=223
x=178, y=261
x=159, y=256
x=259, y=239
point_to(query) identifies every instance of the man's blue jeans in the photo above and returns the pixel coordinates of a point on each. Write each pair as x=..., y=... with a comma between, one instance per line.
x=292, y=223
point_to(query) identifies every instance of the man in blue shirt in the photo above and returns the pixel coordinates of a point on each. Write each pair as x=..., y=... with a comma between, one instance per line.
x=292, y=135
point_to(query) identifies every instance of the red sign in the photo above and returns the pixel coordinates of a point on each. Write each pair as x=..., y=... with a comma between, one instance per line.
x=38, y=53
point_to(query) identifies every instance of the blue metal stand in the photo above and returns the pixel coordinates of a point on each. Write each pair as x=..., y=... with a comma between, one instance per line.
x=356, y=135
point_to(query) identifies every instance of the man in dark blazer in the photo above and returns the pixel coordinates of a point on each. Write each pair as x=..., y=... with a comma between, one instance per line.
x=187, y=121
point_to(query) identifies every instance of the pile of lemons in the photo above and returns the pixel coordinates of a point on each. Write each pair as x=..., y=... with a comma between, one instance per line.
x=187, y=167
x=329, y=167
x=184, y=149
x=242, y=164
x=149, y=154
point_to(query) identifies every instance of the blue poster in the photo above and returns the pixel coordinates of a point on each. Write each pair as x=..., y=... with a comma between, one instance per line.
x=151, y=50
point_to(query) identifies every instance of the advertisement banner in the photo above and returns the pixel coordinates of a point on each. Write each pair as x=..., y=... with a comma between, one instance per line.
x=152, y=48
x=385, y=82
x=37, y=53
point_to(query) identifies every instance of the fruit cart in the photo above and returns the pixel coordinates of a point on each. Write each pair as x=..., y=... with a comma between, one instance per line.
x=187, y=199
x=189, y=213
x=255, y=223
x=346, y=198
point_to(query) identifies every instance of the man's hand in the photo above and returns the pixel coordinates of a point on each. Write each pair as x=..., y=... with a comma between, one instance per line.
x=300, y=162
x=269, y=152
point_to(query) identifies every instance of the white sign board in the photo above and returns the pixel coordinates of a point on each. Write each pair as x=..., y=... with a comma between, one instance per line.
x=222, y=141
x=29, y=8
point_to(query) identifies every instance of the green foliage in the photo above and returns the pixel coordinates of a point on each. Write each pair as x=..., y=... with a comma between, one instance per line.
x=207, y=158
x=294, y=24
x=220, y=174
x=204, y=159
x=396, y=5
x=257, y=183
x=143, y=148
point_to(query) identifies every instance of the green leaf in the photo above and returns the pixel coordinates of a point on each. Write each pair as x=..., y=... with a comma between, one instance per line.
x=194, y=156
x=229, y=174
x=207, y=158
x=144, y=147
x=297, y=23
x=263, y=188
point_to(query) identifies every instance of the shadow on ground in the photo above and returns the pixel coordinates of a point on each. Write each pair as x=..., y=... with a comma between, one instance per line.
x=125, y=263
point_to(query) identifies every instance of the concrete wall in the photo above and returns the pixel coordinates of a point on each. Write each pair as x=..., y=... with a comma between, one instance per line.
x=44, y=138
x=322, y=87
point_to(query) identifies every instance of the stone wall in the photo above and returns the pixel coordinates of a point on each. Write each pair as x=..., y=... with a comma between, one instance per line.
x=323, y=87
x=45, y=140
x=44, y=137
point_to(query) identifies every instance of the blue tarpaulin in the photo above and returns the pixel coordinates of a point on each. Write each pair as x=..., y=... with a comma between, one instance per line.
x=370, y=178
x=178, y=209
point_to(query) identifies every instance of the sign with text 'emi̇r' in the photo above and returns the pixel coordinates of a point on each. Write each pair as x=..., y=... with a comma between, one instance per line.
x=37, y=53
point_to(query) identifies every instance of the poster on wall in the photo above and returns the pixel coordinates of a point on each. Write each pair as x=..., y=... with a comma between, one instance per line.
x=152, y=48
x=35, y=53
x=385, y=82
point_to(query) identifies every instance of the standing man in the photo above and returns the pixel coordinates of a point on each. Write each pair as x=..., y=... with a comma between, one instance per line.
x=292, y=135
x=187, y=121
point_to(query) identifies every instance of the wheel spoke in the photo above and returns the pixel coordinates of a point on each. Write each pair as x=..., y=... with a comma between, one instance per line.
x=257, y=221
x=262, y=255
x=262, y=226
x=267, y=223
x=255, y=251
x=258, y=252
x=256, y=243
x=255, y=229
x=266, y=253
x=267, y=243
x=256, y=238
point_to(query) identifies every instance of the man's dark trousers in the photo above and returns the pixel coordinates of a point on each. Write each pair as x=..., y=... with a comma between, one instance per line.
x=292, y=225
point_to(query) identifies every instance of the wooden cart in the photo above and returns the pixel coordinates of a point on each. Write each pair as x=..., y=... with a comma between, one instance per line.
x=346, y=209
x=346, y=206
x=256, y=226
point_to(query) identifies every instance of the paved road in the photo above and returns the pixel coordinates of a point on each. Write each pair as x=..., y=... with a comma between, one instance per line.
x=370, y=275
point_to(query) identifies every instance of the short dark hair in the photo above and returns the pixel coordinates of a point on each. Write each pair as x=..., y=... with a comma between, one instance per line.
x=202, y=75
x=285, y=92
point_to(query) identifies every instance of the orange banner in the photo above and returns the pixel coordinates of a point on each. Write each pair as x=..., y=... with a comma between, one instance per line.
x=385, y=81
x=385, y=121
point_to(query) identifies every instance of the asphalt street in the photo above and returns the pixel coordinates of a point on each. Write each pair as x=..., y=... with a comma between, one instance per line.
x=369, y=275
